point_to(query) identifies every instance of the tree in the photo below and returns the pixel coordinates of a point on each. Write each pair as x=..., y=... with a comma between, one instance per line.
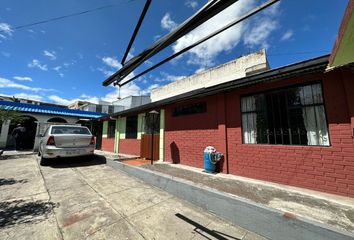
x=10, y=115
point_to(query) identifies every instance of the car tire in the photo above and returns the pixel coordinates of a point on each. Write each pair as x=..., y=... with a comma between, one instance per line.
x=43, y=161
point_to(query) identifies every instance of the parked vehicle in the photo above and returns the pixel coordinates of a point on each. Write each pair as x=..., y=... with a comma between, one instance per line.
x=66, y=141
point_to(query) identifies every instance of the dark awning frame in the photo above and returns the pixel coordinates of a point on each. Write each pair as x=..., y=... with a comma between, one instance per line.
x=315, y=65
x=209, y=10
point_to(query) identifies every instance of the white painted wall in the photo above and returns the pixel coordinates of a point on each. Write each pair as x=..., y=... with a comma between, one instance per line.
x=4, y=131
x=238, y=68
x=42, y=119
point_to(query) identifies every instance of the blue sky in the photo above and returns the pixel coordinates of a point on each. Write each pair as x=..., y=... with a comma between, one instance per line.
x=66, y=60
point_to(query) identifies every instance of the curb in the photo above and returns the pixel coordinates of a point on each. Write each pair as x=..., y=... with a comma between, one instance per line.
x=265, y=221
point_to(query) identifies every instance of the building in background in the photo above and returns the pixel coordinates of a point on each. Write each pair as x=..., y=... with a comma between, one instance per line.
x=111, y=107
x=36, y=119
x=29, y=101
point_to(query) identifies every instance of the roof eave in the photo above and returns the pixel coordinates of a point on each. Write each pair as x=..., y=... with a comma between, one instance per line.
x=318, y=64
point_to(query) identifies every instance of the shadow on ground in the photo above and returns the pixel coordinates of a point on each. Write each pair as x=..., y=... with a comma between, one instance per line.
x=76, y=162
x=204, y=231
x=10, y=157
x=20, y=211
x=11, y=181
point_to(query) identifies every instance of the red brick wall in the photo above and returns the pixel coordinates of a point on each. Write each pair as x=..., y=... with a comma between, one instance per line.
x=108, y=144
x=130, y=146
x=327, y=169
x=187, y=136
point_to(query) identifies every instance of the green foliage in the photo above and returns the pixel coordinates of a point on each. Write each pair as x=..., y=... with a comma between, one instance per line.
x=15, y=116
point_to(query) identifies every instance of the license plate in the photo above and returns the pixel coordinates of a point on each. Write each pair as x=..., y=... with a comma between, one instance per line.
x=71, y=152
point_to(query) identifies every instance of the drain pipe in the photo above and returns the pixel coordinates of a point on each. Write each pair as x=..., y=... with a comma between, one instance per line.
x=226, y=156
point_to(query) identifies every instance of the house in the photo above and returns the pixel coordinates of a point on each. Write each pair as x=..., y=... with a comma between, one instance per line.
x=29, y=101
x=292, y=125
x=111, y=107
x=37, y=118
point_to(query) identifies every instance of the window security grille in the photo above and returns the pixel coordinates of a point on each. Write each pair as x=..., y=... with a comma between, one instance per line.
x=293, y=116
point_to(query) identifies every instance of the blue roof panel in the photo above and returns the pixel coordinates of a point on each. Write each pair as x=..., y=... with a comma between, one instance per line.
x=25, y=107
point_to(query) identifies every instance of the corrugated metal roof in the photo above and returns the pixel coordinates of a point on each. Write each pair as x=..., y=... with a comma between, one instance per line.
x=31, y=108
x=318, y=64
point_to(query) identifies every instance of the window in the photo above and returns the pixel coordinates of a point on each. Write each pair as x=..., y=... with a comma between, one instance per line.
x=131, y=131
x=70, y=130
x=110, y=109
x=111, y=129
x=152, y=123
x=98, y=108
x=293, y=116
x=190, y=109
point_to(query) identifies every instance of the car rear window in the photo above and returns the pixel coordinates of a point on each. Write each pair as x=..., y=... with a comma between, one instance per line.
x=70, y=130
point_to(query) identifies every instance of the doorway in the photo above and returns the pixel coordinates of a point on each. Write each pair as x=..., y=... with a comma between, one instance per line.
x=28, y=138
x=150, y=141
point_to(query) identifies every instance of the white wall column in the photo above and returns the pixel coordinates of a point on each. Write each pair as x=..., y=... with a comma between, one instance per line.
x=4, y=132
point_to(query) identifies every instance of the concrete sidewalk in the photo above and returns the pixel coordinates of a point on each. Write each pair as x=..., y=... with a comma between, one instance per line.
x=273, y=210
x=333, y=210
x=86, y=199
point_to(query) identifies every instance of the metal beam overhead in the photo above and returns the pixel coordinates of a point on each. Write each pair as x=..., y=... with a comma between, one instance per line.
x=209, y=10
x=137, y=27
x=244, y=17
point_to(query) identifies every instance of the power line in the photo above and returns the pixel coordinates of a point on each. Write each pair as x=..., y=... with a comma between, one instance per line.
x=67, y=16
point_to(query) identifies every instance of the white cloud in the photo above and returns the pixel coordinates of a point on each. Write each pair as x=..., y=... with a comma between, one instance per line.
x=23, y=78
x=148, y=90
x=62, y=101
x=5, y=83
x=167, y=23
x=112, y=62
x=37, y=64
x=57, y=69
x=205, y=54
x=113, y=65
x=254, y=32
x=50, y=54
x=29, y=96
x=5, y=30
x=287, y=35
x=80, y=56
x=106, y=72
x=130, y=89
x=70, y=63
x=191, y=3
x=157, y=37
x=168, y=77
x=6, y=54
x=59, y=100
x=261, y=28
x=148, y=63
x=130, y=56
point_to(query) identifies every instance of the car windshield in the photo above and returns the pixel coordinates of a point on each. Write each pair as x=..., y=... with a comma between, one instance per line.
x=70, y=130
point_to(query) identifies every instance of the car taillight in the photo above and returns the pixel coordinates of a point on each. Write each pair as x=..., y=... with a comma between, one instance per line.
x=51, y=141
x=92, y=142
